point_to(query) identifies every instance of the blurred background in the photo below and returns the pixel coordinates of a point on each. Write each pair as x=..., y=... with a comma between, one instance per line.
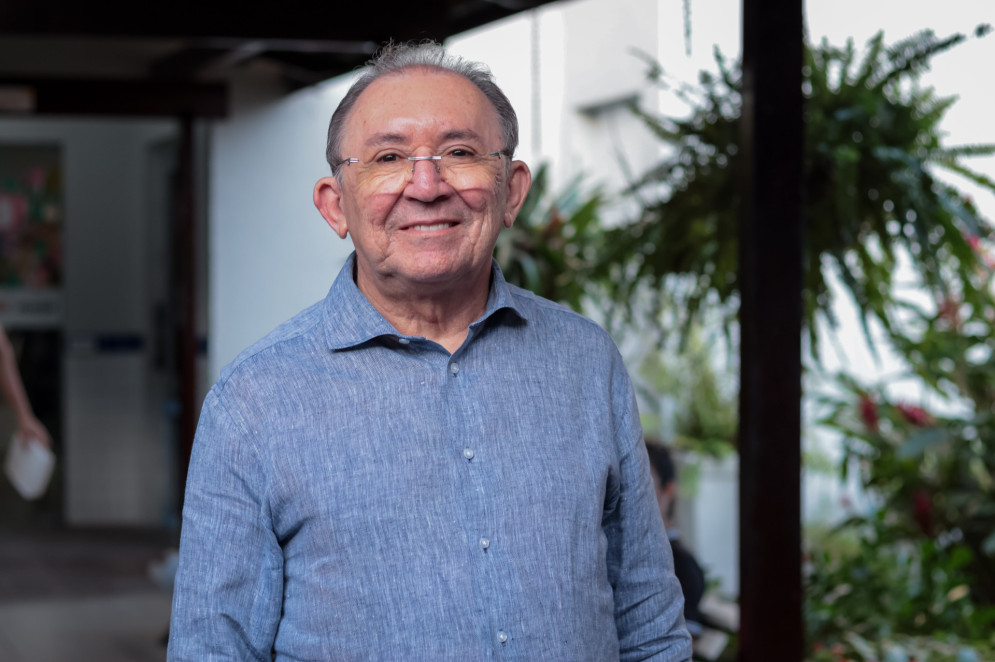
x=156, y=218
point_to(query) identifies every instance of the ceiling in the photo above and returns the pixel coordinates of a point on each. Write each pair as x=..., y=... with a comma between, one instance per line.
x=169, y=58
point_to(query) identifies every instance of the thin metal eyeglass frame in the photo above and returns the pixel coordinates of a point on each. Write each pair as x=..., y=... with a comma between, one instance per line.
x=413, y=159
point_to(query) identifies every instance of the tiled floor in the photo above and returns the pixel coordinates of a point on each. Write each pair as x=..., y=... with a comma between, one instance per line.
x=82, y=596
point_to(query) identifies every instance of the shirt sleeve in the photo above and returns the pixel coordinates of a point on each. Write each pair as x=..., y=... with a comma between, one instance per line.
x=648, y=599
x=229, y=583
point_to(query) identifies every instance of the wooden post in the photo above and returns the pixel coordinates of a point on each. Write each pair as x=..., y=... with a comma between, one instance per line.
x=184, y=270
x=771, y=626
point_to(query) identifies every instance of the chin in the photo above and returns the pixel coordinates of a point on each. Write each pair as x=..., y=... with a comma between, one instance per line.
x=441, y=267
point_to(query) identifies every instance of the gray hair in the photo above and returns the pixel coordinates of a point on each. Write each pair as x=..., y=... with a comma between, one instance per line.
x=395, y=58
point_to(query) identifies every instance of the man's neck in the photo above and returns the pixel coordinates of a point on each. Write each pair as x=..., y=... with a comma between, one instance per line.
x=442, y=315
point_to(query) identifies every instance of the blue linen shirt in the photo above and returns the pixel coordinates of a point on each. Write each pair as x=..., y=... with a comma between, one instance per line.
x=357, y=494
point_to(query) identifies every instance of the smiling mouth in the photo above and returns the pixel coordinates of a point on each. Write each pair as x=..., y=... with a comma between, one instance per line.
x=433, y=227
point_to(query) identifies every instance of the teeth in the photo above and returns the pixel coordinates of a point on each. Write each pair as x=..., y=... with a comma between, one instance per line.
x=430, y=228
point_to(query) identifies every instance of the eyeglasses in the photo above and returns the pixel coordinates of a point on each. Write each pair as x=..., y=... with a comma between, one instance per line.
x=461, y=168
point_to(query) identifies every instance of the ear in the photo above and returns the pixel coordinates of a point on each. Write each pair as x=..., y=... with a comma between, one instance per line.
x=519, y=182
x=328, y=200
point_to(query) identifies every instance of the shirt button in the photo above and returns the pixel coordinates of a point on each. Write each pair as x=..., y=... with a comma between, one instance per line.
x=403, y=341
x=454, y=368
x=484, y=543
x=502, y=637
x=468, y=453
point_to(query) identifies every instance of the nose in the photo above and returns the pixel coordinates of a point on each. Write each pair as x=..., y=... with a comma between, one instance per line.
x=426, y=183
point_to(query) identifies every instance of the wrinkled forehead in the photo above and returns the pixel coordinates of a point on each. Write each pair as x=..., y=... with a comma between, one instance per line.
x=416, y=102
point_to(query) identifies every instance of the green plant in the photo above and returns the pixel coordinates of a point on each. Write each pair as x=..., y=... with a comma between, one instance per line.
x=552, y=244
x=682, y=394
x=924, y=565
x=934, y=474
x=890, y=587
x=873, y=141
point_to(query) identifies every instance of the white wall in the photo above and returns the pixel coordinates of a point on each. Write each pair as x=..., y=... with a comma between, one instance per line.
x=567, y=68
x=270, y=252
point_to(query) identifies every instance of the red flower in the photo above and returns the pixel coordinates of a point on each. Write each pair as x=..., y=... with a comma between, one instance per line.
x=975, y=243
x=915, y=415
x=869, y=412
x=949, y=311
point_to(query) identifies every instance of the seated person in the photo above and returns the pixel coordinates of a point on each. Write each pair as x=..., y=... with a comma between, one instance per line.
x=689, y=573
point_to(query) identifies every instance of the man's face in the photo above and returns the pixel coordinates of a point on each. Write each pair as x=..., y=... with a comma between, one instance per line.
x=431, y=231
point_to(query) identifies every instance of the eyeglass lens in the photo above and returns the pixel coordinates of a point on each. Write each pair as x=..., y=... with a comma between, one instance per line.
x=461, y=171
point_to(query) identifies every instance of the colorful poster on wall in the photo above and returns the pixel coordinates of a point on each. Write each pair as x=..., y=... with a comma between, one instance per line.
x=31, y=225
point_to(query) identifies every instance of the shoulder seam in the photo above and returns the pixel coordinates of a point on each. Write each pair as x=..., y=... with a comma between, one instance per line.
x=265, y=344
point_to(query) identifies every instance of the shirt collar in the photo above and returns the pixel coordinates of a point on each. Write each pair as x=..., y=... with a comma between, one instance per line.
x=351, y=320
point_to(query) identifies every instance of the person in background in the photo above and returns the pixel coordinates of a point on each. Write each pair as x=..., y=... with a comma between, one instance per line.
x=28, y=425
x=688, y=572
x=430, y=463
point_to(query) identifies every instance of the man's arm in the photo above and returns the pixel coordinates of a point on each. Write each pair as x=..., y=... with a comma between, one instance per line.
x=648, y=600
x=229, y=584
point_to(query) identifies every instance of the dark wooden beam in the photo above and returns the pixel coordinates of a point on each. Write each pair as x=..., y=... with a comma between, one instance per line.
x=212, y=58
x=311, y=40
x=192, y=18
x=144, y=98
x=771, y=626
x=184, y=248
x=293, y=19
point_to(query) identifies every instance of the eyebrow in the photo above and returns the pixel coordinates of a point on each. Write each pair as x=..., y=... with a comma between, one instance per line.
x=378, y=139
x=384, y=139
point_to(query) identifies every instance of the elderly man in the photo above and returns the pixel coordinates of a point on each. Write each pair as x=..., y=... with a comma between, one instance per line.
x=429, y=464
